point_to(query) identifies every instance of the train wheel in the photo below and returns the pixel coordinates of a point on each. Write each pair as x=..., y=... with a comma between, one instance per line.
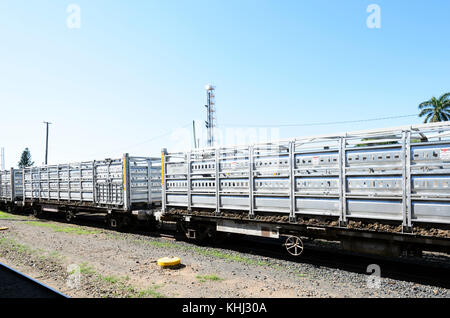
x=70, y=216
x=37, y=212
x=294, y=245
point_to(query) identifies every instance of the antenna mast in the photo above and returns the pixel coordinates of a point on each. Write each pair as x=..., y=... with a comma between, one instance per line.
x=211, y=109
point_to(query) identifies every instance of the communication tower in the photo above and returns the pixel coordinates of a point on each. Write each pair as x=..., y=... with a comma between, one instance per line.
x=211, y=109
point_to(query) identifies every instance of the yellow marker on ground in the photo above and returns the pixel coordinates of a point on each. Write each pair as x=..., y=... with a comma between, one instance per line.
x=169, y=261
x=3, y=228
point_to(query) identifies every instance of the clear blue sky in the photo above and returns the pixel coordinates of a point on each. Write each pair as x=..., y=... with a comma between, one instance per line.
x=136, y=70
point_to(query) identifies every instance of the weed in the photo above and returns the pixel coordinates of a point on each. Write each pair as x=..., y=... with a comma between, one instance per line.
x=110, y=279
x=204, y=278
x=65, y=229
x=150, y=292
x=9, y=216
x=86, y=269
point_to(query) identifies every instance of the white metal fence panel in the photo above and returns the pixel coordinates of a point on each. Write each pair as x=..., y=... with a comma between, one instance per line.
x=11, y=188
x=400, y=174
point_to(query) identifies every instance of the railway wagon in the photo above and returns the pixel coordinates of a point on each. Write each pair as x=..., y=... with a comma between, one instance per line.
x=11, y=190
x=382, y=191
x=119, y=188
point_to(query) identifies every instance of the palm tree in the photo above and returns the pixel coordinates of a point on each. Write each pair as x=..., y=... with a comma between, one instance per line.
x=435, y=109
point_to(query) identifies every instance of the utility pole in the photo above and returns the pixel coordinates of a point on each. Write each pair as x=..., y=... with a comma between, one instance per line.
x=195, y=137
x=46, y=142
x=3, y=159
x=210, y=106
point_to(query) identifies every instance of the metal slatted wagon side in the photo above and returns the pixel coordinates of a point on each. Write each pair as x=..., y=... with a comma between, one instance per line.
x=11, y=189
x=119, y=188
x=384, y=187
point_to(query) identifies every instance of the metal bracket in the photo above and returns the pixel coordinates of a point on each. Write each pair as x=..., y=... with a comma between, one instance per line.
x=343, y=224
x=407, y=229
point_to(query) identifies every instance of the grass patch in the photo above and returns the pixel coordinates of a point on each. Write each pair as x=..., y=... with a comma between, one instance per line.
x=12, y=245
x=205, y=278
x=64, y=229
x=6, y=216
x=121, y=283
x=132, y=292
x=228, y=256
x=86, y=269
x=9, y=216
x=162, y=244
x=110, y=279
x=150, y=292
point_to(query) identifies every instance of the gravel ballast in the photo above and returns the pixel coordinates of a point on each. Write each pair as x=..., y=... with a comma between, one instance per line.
x=85, y=261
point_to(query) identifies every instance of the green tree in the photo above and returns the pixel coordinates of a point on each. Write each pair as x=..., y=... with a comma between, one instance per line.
x=435, y=109
x=25, y=159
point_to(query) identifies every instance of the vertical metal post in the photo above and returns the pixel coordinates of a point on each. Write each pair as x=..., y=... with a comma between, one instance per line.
x=40, y=182
x=163, y=179
x=12, y=185
x=342, y=181
x=48, y=183
x=251, y=212
x=292, y=181
x=149, y=182
x=58, y=182
x=68, y=180
x=81, y=182
x=409, y=180
x=217, y=178
x=31, y=182
x=94, y=183
x=126, y=183
x=188, y=179
x=406, y=180
x=23, y=186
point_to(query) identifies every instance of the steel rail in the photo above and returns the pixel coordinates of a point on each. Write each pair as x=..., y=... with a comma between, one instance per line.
x=14, y=284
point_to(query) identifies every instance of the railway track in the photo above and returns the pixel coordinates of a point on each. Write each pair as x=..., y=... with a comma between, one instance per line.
x=14, y=284
x=429, y=269
x=426, y=270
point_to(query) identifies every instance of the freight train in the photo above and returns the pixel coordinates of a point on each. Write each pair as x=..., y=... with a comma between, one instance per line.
x=384, y=191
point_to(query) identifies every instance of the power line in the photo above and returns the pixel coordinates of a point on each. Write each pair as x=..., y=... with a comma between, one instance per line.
x=324, y=123
x=145, y=141
x=157, y=137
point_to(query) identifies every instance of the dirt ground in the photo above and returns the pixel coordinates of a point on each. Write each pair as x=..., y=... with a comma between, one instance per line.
x=88, y=261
